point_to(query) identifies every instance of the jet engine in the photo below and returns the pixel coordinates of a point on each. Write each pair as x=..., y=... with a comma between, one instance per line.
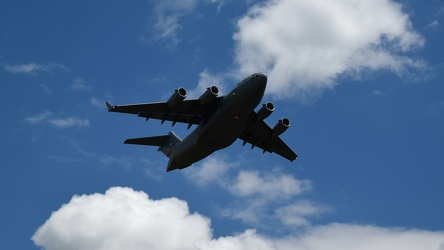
x=178, y=96
x=209, y=95
x=265, y=111
x=281, y=126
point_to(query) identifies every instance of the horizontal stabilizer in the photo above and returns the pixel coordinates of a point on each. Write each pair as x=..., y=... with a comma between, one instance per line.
x=148, y=141
x=166, y=143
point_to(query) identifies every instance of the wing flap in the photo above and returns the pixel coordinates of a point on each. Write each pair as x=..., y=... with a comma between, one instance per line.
x=182, y=118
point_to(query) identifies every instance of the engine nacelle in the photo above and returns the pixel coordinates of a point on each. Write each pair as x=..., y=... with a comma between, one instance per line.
x=178, y=96
x=265, y=111
x=209, y=95
x=281, y=126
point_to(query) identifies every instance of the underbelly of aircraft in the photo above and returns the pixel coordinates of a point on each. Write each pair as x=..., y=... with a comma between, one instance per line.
x=222, y=135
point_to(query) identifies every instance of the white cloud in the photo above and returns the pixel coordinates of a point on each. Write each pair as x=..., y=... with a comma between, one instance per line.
x=45, y=117
x=169, y=12
x=69, y=122
x=295, y=215
x=220, y=3
x=433, y=25
x=126, y=219
x=268, y=185
x=123, y=219
x=79, y=84
x=257, y=195
x=260, y=193
x=96, y=102
x=212, y=170
x=38, y=118
x=304, y=46
x=46, y=88
x=34, y=68
x=363, y=237
x=378, y=93
x=206, y=79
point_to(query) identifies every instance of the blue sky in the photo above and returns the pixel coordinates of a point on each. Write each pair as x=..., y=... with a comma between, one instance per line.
x=361, y=82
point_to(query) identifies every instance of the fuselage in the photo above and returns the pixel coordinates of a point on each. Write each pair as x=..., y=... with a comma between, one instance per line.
x=223, y=126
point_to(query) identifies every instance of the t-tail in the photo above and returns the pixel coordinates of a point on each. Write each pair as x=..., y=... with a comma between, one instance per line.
x=167, y=143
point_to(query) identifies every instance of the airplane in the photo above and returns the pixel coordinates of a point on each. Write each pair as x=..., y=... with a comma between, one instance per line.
x=220, y=121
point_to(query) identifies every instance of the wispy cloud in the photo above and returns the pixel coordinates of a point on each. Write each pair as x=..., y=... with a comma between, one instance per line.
x=125, y=162
x=296, y=214
x=210, y=171
x=79, y=84
x=48, y=117
x=46, y=88
x=378, y=93
x=219, y=3
x=268, y=185
x=38, y=118
x=169, y=13
x=34, y=68
x=96, y=102
x=69, y=122
x=436, y=108
x=147, y=221
x=433, y=25
x=63, y=159
x=206, y=79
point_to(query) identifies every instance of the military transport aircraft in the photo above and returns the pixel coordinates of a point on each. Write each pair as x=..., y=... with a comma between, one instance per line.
x=220, y=119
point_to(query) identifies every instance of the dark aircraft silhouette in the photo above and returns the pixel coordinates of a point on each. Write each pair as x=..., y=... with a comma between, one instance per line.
x=220, y=119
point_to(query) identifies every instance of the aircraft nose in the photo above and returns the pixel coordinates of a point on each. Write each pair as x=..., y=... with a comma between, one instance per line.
x=261, y=81
x=262, y=78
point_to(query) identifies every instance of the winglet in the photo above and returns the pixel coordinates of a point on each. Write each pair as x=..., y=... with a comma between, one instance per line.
x=109, y=106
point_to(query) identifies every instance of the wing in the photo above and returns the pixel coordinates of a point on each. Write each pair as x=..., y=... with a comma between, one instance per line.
x=260, y=135
x=186, y=111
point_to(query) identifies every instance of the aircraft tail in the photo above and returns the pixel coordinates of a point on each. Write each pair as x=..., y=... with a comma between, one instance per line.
x=166, y=143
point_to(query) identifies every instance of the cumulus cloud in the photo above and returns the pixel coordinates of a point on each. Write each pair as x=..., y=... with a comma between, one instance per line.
x=48, y=117
x=34, y=68
x=304, y=46
x=126, y=219
x=362, y=237
x=123, y=219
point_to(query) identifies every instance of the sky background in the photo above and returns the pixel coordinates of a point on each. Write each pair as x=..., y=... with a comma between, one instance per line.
x=361, y=82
